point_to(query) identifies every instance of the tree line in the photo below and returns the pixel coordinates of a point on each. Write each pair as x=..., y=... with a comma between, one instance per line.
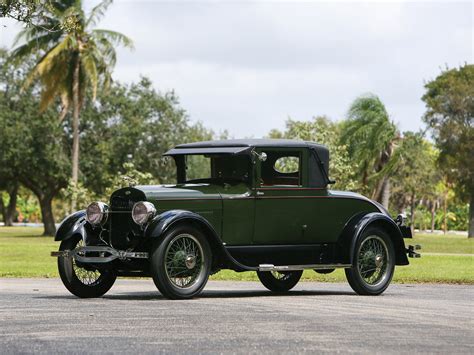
x=69, y=134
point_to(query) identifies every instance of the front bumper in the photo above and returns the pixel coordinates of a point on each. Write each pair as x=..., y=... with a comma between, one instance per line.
x=98, y=254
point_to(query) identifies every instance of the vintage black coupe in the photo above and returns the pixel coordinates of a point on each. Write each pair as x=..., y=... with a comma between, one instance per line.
x=245, y=205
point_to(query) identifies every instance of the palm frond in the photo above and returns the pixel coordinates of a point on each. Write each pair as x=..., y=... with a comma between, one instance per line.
x=115, y=37
x=388, y=168
x=90, y=71
x=30, y=48
x=54, y=83
x=44, y=65
x=97, y=12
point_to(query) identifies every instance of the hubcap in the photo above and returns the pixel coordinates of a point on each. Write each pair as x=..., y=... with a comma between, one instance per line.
x=373, y=260
x=184, y=261
x=190, y=261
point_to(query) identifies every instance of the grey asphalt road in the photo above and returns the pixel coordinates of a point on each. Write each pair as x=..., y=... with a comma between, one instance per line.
x=40, y=316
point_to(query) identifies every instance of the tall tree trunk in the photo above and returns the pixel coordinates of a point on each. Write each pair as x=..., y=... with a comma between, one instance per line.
x=433, y=210
x=445, y=210
x=412, y=213
x=385, y=192
x=47, y=214
x=11, y=208
x=471, y=216
x=2, y=208
x=75, y=126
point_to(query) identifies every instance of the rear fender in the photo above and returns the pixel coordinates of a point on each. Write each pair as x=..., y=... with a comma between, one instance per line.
x=359, y=223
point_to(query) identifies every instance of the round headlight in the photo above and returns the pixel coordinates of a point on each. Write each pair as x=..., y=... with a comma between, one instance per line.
x=96, y=213
x=142, y=212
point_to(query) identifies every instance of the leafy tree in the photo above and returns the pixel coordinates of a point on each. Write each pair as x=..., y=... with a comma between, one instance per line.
x=9, y=88
x=449, y=102
x=8, y=181
x=371, y=139
x=322, y=130
x=136, y=124
x=73, y=57
x=35, y=153
x=20, y=10
x=416, y=176
x=32, y=150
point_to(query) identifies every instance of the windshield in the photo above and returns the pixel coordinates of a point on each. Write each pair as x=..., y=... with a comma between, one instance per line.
x=217, y=168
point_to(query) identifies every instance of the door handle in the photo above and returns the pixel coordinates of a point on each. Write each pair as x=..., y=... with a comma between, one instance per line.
x=260, y=193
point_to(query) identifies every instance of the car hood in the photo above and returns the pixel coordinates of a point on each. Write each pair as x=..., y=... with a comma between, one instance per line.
x=177, y=192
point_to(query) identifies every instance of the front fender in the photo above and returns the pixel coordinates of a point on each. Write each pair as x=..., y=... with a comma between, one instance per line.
x=161, y=223
x=164, y=221
x=71, y=225
x=359, y=223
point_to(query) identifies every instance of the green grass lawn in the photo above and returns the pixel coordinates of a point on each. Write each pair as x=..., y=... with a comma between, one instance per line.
x=24, y=253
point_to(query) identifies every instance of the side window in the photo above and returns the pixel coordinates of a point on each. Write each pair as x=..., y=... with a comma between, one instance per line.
x=198, y=167
x=281, y=169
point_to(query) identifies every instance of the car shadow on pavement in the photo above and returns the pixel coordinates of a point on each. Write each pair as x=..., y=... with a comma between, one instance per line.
x=264, y=293
x=147, y=296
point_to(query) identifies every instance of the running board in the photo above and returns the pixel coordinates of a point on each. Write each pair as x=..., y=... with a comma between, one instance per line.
x=271, y=267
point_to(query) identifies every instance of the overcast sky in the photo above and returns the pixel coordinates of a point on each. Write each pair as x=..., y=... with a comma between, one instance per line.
x=248, y=66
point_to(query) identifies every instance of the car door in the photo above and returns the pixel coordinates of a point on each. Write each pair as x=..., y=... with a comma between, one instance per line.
x=280, y=178
x=237, y=201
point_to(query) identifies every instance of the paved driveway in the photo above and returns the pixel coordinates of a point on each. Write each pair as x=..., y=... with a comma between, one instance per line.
x=39, y=315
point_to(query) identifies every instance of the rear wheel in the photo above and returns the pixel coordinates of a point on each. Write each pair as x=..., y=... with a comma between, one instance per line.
x=373, y=263
x=324, y=271
x=279, y=281
x=181, y=263
x=82, y=280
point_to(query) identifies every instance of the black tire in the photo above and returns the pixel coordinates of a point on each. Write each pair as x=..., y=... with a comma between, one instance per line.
x=81, y=282
x=279, y=281
x=185, y=252
x=324, y=271
x=373, y=263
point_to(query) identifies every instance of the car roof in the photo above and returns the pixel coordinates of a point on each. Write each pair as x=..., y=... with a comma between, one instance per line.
x=254, y=142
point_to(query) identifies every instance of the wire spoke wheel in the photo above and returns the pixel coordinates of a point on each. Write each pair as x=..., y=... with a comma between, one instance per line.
x=184, y=261
x=87, y=277
x=80, y=279
x=373, y=262
x=373, y=259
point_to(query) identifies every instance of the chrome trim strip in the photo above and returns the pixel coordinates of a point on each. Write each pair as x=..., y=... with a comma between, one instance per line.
x=271, y=267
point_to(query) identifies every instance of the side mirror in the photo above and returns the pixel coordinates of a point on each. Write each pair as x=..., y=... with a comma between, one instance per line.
x=262, y=156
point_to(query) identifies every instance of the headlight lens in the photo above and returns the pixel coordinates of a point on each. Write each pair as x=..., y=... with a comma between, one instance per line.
x=142, y=212
x=96, y=213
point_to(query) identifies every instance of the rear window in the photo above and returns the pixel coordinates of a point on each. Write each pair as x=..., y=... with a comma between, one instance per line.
x=281, y=169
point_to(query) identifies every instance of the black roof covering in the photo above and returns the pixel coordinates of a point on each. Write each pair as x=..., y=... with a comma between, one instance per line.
x=288, y=143
x=318, y=161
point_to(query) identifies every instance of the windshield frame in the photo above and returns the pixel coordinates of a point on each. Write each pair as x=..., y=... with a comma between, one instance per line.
x=181, y=170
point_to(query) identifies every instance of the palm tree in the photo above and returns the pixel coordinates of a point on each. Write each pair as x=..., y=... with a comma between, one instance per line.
x=72, y=58
x=371, y=138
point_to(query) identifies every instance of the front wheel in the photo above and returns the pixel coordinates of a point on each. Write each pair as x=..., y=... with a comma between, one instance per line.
x=373, y=263
x=279, y=281
x=81, y=280
x=181, y=263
